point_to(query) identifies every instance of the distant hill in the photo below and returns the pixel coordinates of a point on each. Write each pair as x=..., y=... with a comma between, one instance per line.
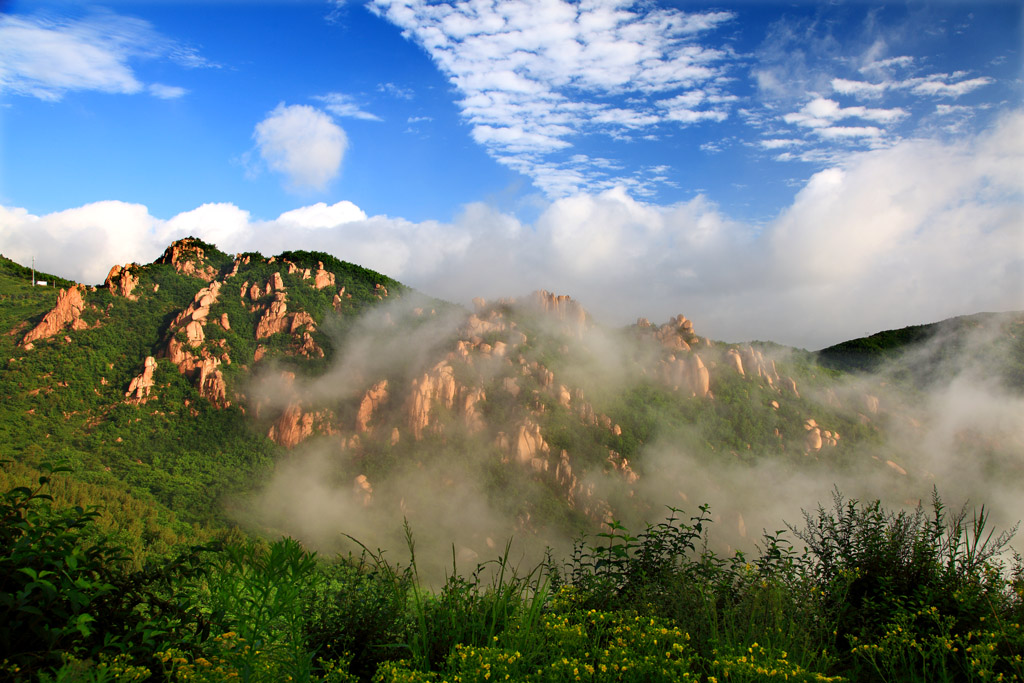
x=915, y=353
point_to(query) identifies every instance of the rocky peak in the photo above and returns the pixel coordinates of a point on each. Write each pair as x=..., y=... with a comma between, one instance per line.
x=188, y=258
x=675, y=335
x=562, y=307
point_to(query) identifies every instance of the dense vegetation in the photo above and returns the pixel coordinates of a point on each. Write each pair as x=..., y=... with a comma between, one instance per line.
x=876, y=596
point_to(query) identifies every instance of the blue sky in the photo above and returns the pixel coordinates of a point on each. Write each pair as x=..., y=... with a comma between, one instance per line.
x=804, y=172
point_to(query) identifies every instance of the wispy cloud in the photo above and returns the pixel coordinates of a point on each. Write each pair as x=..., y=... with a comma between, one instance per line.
x=345, y=106
x=166, y=92
x=46, y=58
x=537, y=75
x=935, y=85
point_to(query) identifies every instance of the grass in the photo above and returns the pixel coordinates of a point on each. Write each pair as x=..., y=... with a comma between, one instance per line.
x=877, y=596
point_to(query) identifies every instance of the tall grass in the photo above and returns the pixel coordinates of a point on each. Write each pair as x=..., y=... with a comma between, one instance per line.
x=874, y=595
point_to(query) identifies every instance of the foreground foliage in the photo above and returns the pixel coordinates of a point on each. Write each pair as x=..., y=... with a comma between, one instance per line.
x=878, y=595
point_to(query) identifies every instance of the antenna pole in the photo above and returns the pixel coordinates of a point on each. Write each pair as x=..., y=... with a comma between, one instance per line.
x=33, y=271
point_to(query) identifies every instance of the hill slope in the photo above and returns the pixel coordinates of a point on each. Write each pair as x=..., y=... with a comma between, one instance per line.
x=305, y=395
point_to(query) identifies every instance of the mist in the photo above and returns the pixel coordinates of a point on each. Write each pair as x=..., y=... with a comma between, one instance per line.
x=465, y=487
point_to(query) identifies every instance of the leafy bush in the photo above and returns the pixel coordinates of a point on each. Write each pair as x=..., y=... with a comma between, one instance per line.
x=60, y=596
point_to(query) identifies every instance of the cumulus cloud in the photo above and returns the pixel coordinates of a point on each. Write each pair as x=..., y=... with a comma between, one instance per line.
x=45, y=58
x=302, y=143
x=913, y=233
x=81, y=243
x=536, y=75
x=320, y=215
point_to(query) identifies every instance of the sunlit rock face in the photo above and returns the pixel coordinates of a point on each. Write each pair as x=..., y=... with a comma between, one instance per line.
x=66, y=314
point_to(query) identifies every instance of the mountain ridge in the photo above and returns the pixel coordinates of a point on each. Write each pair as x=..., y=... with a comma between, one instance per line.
x=301, y=394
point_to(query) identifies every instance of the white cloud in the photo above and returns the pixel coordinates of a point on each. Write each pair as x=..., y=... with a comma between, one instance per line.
x=166, y=92
x=535, y=73
x=936, y=86
x=844, y=86
x=303, y=143
x=344, y=106
x=913, y=233
x=779, y=143
x=45, y=58
x=81, y=243
x=222, y=224
x=820, y=113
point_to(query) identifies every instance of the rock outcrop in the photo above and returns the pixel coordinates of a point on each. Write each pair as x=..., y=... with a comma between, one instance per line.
x=687, y=374
x=122, y=280
x=437, y=385
x=372, y=400
x=188, y=258
x=140, y=388
x=323, y=278
x=292, y=428
x=563, y=308
x=67, y=313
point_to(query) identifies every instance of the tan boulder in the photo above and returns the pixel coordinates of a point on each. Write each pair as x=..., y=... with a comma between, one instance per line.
x=896, y=468
x=323, y=277
x=734, y=361
x=813, y=439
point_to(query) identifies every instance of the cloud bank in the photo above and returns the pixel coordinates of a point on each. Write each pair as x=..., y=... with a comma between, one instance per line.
x=912, y=233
